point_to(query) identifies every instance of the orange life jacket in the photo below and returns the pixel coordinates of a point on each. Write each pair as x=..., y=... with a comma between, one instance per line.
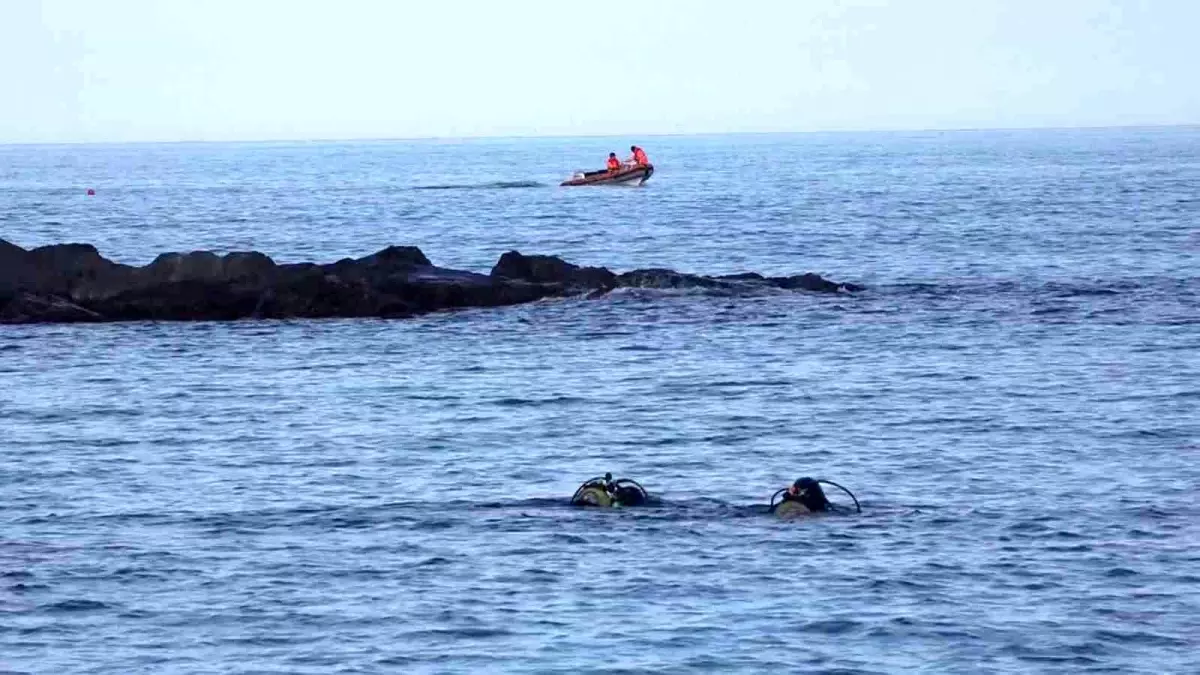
x=613, y=164
x=639, y=156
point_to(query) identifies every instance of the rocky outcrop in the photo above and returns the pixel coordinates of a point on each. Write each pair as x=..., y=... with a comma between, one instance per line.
x=73, y=283
x=550, y=269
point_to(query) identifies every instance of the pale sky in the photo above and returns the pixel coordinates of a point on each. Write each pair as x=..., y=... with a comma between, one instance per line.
x=149, y=70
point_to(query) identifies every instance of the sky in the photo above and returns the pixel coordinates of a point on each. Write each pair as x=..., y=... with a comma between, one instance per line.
x=210, y=70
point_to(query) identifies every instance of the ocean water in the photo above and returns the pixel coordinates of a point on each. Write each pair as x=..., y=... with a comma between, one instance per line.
x=1015, y=400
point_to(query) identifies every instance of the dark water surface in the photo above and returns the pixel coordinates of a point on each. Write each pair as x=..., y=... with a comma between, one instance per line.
x=1016, y=401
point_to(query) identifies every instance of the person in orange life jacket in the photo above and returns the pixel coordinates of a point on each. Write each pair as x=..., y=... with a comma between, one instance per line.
x=614, y=164
x=639, y=156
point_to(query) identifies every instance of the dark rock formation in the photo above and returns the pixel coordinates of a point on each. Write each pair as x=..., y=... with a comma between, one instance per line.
x=551, y=269
x=811, y=282
x=548, y=269
x=663, y=278
x=660, y=278
x=73, y=282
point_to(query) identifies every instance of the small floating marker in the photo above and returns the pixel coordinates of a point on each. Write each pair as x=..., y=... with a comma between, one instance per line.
x=91, y=192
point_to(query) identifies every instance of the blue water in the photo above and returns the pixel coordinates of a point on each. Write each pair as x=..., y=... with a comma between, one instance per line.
x=1014, y=400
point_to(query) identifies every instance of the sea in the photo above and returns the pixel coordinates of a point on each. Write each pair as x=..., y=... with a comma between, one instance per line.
x=1014, y=400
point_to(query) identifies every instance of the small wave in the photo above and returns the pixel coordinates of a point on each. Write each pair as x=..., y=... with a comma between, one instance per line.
x=512, y=401
x=466, y=632
x=1048, y=311
x=498, y=185
x=1077, y=292
x=75, y=606
x=1139, y=637
x=831, y=626
x=1118, y=572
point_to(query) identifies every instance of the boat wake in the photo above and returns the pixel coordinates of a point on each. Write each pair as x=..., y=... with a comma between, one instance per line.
x=498, y=185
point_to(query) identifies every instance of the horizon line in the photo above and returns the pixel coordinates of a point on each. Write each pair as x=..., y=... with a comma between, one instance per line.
x=534, y=136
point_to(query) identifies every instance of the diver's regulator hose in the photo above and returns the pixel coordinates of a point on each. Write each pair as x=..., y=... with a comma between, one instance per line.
x=843, y=489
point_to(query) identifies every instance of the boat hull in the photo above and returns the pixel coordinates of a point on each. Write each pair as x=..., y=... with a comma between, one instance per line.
x=636, y=175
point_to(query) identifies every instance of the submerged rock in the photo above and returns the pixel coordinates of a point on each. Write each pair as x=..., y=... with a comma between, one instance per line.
x=662, y=278
x=29, y=308
x=811, y=282
x=73, y=282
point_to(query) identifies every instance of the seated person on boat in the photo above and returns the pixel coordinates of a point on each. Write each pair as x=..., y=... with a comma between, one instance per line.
x=638, y=158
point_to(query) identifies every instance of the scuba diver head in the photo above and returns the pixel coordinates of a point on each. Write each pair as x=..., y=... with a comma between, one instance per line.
x=625, y=491
x=628, y=495
x=809, y=493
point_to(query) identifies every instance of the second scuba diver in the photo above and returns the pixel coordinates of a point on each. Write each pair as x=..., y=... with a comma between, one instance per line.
x=805, y=496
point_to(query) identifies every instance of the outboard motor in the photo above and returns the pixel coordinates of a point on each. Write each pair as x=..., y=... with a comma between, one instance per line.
x=805, y=496
x=604, y=491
